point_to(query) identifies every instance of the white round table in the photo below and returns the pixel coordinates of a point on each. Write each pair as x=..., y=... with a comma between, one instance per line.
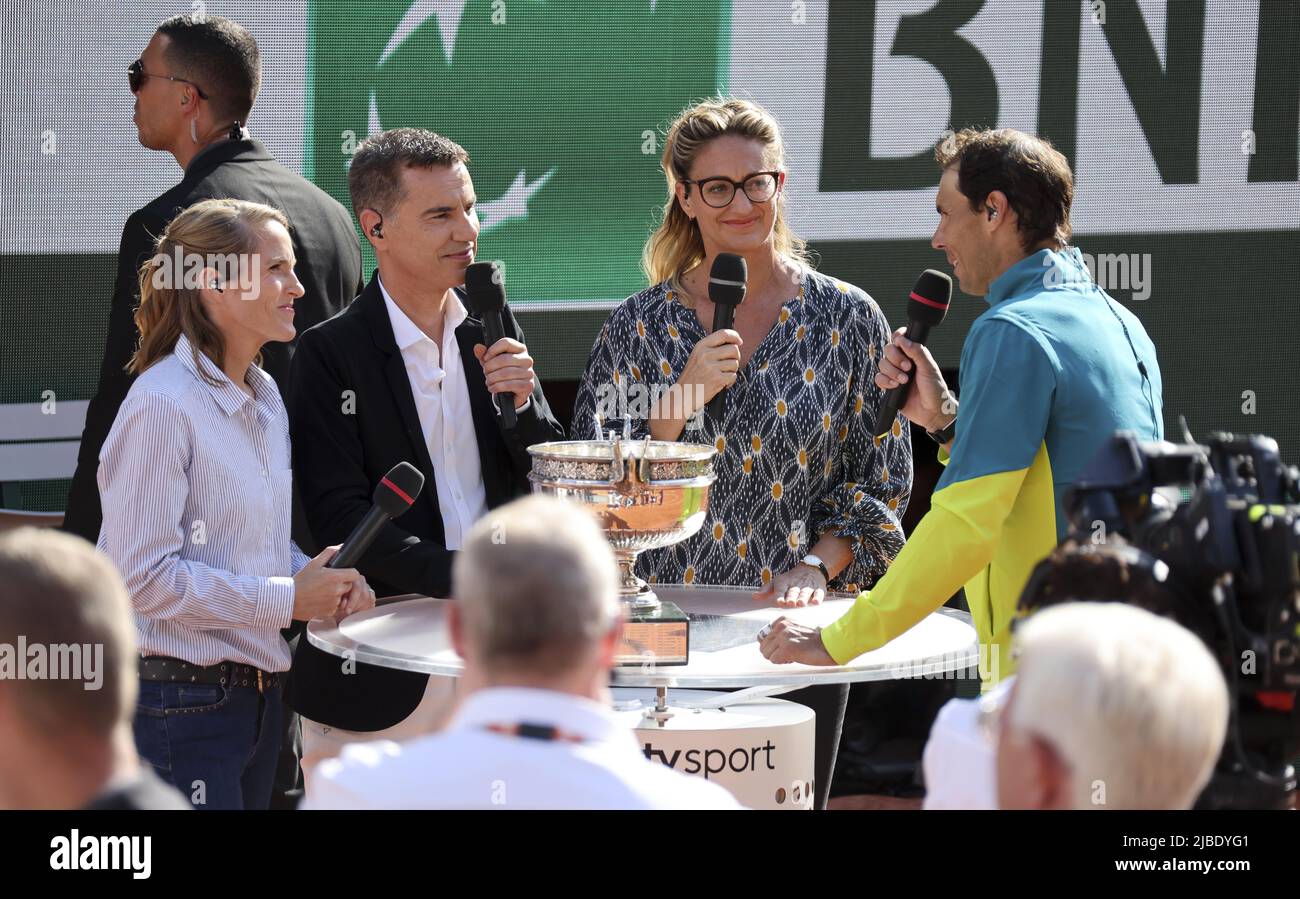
x=409, y=633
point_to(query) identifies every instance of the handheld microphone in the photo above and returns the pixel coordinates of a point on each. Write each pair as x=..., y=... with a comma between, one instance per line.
x=925, y=310
x=485, y=288
x=727, y=280
x=394, y=494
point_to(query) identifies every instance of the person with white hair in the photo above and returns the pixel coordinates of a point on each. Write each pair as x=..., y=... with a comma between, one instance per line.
x=537, y=621
x=1113, y=708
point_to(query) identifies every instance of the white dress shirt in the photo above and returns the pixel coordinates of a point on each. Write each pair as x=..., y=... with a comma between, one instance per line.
x=960, y=759
x=195, y=483
x=437, y=376
x=470, y=766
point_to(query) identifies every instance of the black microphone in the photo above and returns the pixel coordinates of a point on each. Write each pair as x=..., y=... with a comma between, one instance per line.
x=394, y=494
x=485, y=287
x=925, y=310
x=727, y=280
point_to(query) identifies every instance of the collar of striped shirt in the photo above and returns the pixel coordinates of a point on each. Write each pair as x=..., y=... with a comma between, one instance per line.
x=227, y=393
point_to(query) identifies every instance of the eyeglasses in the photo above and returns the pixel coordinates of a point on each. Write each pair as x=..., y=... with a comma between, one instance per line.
x=719, y=192
x=135, y=76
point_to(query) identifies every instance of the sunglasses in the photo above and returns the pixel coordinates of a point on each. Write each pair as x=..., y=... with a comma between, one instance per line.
x=135, y=76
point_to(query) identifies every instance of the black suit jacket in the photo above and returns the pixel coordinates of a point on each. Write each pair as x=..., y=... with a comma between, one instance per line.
x=353, y=417
x=329, y=267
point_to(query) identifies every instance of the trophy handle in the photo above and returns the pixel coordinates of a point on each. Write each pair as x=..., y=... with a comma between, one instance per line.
x=620, y=470
x=643, y=463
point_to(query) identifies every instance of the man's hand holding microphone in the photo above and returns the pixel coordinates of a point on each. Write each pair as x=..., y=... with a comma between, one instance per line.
x=929, y=403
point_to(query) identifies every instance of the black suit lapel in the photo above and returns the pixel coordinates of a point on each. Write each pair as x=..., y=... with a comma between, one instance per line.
x=381, y=329
x=496, y=482
x=400, y=385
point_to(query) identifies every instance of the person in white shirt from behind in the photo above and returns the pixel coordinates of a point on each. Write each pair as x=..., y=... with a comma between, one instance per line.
x=1113, y=708
x=537, y=622
x=960, y=757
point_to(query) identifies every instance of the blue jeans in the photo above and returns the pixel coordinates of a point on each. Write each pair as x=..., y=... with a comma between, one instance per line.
x=217, y=745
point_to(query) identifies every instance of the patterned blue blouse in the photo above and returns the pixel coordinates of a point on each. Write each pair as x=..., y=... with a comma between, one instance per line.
x=796, y=456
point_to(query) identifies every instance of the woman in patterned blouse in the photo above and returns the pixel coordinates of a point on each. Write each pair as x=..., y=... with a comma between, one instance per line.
x=799, y=474
x=798, y=469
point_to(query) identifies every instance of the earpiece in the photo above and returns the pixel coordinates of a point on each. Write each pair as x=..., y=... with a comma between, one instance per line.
x=993, y=213
x=377, y=231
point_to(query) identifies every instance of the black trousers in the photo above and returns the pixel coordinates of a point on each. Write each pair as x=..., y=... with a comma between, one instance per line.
x=287, y=790
x=828, y=703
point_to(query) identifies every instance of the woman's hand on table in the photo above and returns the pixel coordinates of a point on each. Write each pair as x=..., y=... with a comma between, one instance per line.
x=783, y=641
x=802, y=585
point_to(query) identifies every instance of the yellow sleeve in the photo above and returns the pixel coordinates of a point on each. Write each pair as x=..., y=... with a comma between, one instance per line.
x=953, y=542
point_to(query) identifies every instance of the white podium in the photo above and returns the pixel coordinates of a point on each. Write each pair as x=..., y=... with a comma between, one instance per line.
x=761, y=750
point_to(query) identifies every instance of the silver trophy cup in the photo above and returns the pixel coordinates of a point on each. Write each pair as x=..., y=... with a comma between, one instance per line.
x=646, y=494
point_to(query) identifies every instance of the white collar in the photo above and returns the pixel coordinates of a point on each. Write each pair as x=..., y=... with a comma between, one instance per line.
x=230, y=397
x=407, y=333
x=528, y=705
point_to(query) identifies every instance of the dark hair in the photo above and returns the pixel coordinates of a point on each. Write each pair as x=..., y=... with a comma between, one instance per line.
x=218, y=55
x=1033, y=174
x=375, y=176
x=1114, y=571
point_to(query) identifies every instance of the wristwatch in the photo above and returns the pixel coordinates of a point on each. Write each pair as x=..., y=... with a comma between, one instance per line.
x=946, y=433
x=815, y=562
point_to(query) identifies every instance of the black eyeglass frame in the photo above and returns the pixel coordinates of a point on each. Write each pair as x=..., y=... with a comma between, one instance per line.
x=777, y=178
x=135, y=76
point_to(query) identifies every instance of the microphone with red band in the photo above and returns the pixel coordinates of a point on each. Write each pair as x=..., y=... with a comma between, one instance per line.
x=926, y=309
x=394, y=494
x=485, y=293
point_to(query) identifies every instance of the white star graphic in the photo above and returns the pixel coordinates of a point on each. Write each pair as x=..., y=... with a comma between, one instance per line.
x=513, y=204
x=449, y=13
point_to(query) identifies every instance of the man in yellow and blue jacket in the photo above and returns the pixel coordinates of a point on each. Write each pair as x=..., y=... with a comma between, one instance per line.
x=1049, y=371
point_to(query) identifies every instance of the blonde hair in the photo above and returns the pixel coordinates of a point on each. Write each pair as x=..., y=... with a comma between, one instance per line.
x=212, y=228
x=676, y=245
x=1134, y=703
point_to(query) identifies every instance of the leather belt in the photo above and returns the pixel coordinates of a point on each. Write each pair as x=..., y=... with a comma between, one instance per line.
x=230, y=674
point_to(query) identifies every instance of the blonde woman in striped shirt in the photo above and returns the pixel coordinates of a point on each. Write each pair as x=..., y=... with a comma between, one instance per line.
x=196, y=489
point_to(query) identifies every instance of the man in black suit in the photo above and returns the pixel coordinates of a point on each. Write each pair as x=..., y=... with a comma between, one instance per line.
x=194, y=86
x=65, y=728
x=403, y=375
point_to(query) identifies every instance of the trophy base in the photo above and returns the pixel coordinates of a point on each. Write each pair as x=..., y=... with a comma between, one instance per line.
x=654, y=636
